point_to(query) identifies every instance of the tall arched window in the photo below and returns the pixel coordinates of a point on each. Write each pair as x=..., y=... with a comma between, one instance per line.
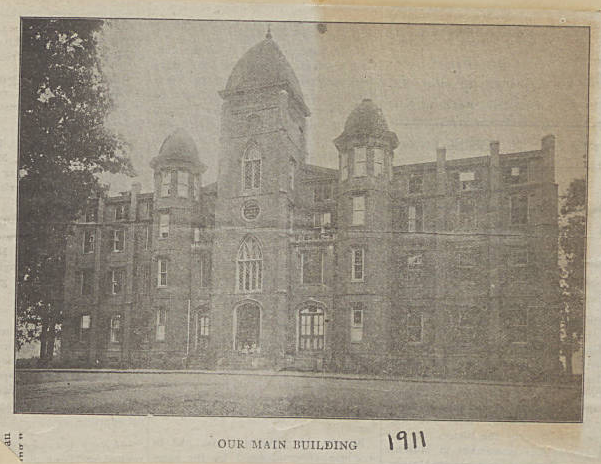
x=252, y=168
x=250, y=266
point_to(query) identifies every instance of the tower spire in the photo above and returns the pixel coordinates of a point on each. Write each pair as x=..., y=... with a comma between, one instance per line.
x=268, y=35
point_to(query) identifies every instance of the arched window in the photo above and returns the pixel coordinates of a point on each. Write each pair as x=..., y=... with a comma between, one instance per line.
x=252, y=168
x=250, y=266
x=311, y=328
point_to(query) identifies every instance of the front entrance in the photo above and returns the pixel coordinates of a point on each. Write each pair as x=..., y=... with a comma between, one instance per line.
x=311, y=329
x=248, y=328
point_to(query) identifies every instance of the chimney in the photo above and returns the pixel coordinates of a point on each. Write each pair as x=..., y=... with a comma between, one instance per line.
x=494, y=148
x=548, y=151
x=136, y=188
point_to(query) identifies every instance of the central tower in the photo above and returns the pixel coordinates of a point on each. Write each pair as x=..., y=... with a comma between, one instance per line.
x=262, y=150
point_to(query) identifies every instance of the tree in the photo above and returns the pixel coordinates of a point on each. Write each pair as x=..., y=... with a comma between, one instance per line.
x=63, y=147
x=572, y=242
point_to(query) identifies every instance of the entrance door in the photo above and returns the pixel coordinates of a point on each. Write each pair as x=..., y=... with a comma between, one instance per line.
x=311, y=330
x=248, y=328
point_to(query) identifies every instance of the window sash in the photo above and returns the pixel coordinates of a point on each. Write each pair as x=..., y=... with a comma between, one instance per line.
x=183, y=183
x=116, y=281
x=415, y=184
x=360, y=159
x=115, y=329
x=166, y=183
x=378, y=161
x=162, y=274
x=415, y=327
x=312, y=267
x=357, y=265
x=118, y=240
x=343, y=166
x=88, y=241
x=164, y=225
x=358, y=210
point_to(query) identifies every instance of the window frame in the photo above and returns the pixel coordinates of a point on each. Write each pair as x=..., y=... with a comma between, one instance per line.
x=420, y=313
x=252, y=168
x=358, y=215
x=89, y=237
x=415, y=271
x=356, y=335
x=117, y=240
x=164, y=226
x=359, y=162
x=249, y=266
x=84, y=332
x=354, y=264
x=519, y=251
x=115, y=329
x=117, y=272
x=162, y=272
x=183, y=188
x=379, y=160
x=411, y=186
x=303, y=263
x=90, y=285
x=121, y=211
x=415, y=224
x=166, y=183
x=161, y=324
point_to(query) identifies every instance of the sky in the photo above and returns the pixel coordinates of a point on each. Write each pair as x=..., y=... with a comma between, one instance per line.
x=438, y=85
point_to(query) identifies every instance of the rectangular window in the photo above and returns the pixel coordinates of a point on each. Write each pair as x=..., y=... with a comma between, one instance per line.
x=117, y=278
x=166, y=183
x=162, y=275
x=90, y=215
x=467, y=181
x=121, y=212
x=343, y=166
x=415, y=218
x=197, y=235
x=88, y=241
x=357, y=274
x=147, y=238
x=144, y=210
x=415, y=327
x=161, y=323
x=322, y=220
x=203, y=326
x=205, y=270
x=356, y=324
x=85, y=323
x=516, y=174
x=322, y=192
x=183, y=184
x=144, y=276
x=312, y=267
x=518, y=256
x=164, y=225
x=467, y=213
x=415, y=183
x=87, y=281
x=517, y=325
x=378, y=162
x=358, y=210
x=118, y=240
x=415, y=264
x=116, y=328
x=359, y=168
x=519, y=209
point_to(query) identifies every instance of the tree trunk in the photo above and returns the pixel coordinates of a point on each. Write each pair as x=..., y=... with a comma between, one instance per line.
x=43, y=342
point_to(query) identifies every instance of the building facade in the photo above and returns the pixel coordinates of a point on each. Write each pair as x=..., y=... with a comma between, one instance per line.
x=445, y=268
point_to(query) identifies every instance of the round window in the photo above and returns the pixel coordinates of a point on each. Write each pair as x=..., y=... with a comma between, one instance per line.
x=251, y=210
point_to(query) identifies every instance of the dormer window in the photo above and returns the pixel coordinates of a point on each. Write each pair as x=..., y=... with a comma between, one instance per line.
x=359, y=168
x=183, y=184
x=166, y=184
x=252, y=168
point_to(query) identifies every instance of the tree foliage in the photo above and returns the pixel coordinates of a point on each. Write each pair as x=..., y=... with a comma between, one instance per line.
x=572, y=242
x=63, y=147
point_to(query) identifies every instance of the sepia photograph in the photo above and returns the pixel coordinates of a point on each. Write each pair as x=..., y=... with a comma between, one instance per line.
x=301, y=219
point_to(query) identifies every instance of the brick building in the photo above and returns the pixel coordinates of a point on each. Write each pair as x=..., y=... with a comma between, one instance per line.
x=442, y=268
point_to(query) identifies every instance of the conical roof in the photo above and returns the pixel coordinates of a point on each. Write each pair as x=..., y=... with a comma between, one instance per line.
x=367, y=119
x=264, y=65
x=178, y=147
